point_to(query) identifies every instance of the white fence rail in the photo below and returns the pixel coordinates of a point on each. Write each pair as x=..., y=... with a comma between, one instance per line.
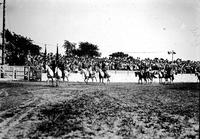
x=23, y=72
x=129, y=76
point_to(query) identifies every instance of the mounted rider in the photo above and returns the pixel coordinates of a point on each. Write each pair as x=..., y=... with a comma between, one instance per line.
x=104, y=68
x=169, y=71
x=90, y=70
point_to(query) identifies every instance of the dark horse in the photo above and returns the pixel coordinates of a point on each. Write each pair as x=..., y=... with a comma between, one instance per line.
x=141, y=75
x=150, y=76
x=198, y=76
x=169, y=74
x=147, y=76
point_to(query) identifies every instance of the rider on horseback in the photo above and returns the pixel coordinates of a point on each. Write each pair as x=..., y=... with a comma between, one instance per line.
x=90, y=70
x=169, y=73
x=104, y=69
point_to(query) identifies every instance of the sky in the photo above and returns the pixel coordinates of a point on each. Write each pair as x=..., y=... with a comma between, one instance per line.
x=140, y=28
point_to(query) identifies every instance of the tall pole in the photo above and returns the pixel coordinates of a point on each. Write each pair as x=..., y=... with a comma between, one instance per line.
x=3, y=33
x=45, y=56
x=57, y=57
x=172, y=53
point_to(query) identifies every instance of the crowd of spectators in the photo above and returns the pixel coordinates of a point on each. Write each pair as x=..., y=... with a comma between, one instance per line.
x=74, y=63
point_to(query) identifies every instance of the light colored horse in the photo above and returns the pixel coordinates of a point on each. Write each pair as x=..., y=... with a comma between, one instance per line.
x=50, y=74
x=168, y=75
x=103, y=76
x=160, y=75
x=58, y=75
x=88, y=75
x=66, y=75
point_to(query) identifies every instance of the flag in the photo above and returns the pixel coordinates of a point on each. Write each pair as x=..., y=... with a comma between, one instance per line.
x=57, y=58
x=45, y=56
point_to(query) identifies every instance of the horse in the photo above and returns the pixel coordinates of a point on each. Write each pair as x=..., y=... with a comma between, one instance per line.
x=198, y=76
x=161, y=75
x=150, y=75
x=50, y=74
x=169, y=74
x=103, y=75
x=88, y=75
x=58, y=75
x=141, y=75
x=66, y=75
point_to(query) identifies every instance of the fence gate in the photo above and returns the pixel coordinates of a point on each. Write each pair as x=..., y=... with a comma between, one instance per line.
x=12, y=72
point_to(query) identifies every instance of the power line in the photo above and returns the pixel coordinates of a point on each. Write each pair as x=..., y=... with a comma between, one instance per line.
x=146, y=52
x=44, y=43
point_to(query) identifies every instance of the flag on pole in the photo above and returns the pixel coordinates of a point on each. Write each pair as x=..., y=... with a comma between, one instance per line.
x=57, y=57
x=45, y=57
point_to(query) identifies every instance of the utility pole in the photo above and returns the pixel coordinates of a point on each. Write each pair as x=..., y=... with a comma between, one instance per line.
x=3, y=33
x=172, y=53
x=3, y=39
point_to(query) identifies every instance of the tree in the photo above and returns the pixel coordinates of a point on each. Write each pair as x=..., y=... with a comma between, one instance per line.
x=18, y=47
x=87, y=49
x=118, y=55
x=69, y=47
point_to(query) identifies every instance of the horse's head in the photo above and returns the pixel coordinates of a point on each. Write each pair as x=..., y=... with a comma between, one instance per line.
x=197, y=73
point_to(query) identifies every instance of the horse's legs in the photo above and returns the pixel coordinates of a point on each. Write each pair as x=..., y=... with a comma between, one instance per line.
x=146, y=80
x=67, y=78
x=139, y=81
x=102, y=80
x=47, y=81
x=160, y=80
x=86, y=80
x=52, y=81
x=56, y=82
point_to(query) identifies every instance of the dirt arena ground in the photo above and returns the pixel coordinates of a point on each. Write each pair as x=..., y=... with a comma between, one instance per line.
x=114, y=110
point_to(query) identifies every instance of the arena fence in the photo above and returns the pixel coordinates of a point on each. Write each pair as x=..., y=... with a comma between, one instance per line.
x=12, y=72
x=20, y=72
x=31, y=73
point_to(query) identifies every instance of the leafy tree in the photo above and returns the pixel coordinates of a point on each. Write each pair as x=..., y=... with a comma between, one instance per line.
x=69, y=48
x=87, y=49
x=18, y=47
x=118, y=55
